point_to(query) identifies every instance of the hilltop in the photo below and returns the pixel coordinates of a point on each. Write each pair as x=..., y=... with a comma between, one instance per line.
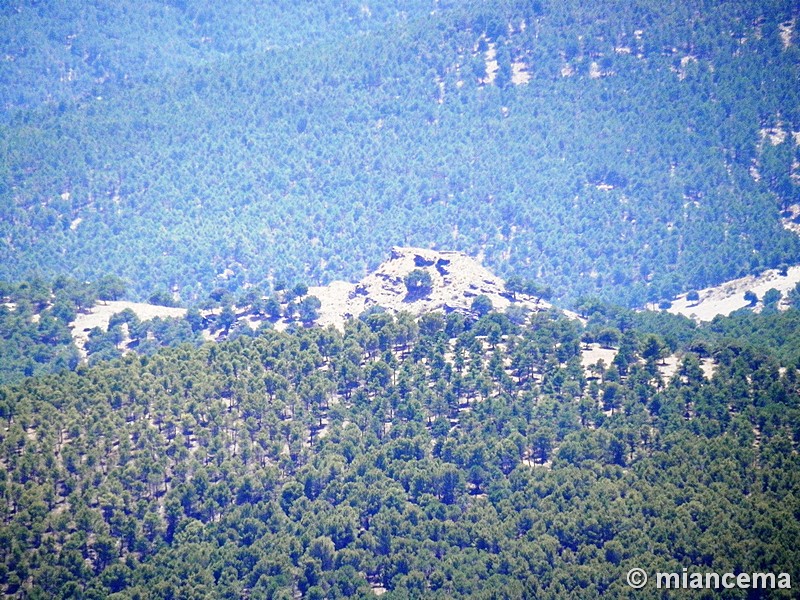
x=457, y=279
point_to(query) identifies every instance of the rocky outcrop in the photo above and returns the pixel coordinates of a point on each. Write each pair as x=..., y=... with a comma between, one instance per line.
x=456, y=280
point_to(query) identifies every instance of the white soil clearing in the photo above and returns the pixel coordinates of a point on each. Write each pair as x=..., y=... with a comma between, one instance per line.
x=519, y=73
x=669, y=366
x=519, y=70
x=100, y=314
x=776, y=135
x=492, y=66
x=729, y=297
x=592, y=353
x=786, y=30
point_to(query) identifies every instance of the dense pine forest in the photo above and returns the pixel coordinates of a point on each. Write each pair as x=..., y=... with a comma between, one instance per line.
x=630, y=150
x=218, y=158
x=438, y=458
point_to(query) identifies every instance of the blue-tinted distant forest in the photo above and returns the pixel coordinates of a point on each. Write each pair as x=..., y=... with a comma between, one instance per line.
x=298, y=141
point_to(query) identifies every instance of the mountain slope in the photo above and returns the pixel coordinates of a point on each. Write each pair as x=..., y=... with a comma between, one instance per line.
x=337, y=465
x=191, y=146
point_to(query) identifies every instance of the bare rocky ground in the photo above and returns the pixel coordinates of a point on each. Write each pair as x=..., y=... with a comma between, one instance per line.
x=457, y=279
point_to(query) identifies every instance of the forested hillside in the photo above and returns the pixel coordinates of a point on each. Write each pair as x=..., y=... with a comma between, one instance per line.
x=446, y=459
x=627, y=149
x=226, y=156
